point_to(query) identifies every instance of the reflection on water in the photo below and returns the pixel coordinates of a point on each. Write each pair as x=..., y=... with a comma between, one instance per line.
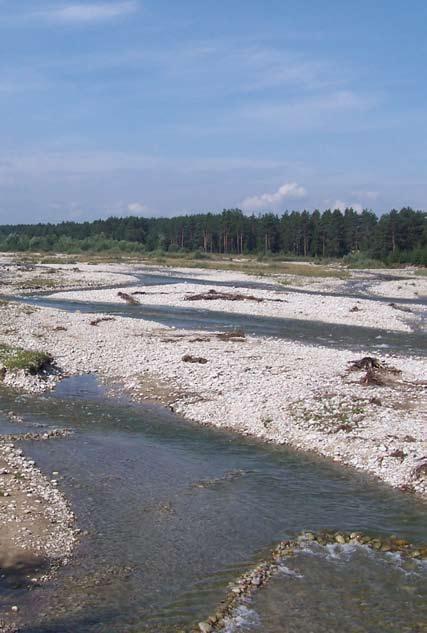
x=174, y=511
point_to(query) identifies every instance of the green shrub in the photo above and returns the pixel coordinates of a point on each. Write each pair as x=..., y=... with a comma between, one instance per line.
x=15, y=358
x=199, y=255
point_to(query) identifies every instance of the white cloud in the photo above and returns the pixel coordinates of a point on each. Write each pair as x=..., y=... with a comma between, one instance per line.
x=135, y=208
x=342, y=206
x=92, y=161
x=89, y=12
x=368, y=195
x=321, y=111
x=288, y=191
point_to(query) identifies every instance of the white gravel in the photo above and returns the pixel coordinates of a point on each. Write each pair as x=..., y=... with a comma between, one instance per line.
x=20, y=279
x=41, y=518
x=412, y=288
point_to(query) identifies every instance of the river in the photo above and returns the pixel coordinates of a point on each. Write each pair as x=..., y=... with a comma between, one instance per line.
x=339, y=336
x=172, y=512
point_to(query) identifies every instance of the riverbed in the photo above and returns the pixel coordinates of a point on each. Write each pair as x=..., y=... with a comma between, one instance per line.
x=171, y=513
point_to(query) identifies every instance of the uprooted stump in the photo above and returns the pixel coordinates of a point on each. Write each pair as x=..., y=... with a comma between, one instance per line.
x=367, y=362
x=214, y=295
x=194, y=359
x=128, y=298
x=377, y=372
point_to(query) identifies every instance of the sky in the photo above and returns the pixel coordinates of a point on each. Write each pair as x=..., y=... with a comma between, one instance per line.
x=156, y=107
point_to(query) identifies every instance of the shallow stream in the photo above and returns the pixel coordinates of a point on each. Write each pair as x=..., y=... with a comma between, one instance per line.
x=174, y=512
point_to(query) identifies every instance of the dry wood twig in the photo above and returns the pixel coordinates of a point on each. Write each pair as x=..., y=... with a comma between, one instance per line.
x=128, y=298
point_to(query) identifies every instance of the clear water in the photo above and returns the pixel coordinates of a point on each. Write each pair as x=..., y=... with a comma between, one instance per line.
x=360, y=592
x=175, y=511
x=310, y=332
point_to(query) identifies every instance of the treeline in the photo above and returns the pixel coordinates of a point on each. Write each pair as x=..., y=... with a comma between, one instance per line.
x=398, y=236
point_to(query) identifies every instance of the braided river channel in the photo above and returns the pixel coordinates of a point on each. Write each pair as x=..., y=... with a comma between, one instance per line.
x=172, y=512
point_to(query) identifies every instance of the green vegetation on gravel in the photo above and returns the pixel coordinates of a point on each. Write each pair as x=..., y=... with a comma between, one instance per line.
x=15, y=358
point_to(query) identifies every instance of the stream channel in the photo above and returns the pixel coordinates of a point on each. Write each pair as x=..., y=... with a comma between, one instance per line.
x=173, y=512
x=374, y=340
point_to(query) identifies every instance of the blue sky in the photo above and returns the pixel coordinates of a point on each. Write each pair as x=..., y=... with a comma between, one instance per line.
x=154, y=107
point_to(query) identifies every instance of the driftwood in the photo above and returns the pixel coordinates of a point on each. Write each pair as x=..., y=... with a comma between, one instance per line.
x=373, y=378
x=367, y=362
x=128, y=298
x=408, y=438
x=144, y=292
x=213, y=295
x=399, y=454
x=377, y=372
x=420, y=471
x=194, y=359
x=233, y=335
x=401, y=308
x=101, y=319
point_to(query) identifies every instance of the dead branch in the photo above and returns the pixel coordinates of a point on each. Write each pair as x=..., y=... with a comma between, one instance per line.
x=367, y=362
x=128, y=298
x=194, y=359
x=399, y=454
x=213, y=295
x=101, y=319
x=398, y=307
x=372, y=378
x=232, y=335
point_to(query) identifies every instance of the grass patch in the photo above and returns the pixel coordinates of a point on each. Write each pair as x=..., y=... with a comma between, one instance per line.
x=251, y=266
x=38, y=283
x=16, y=358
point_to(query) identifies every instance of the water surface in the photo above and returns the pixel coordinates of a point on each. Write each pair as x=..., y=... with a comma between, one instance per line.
x=175, y=511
